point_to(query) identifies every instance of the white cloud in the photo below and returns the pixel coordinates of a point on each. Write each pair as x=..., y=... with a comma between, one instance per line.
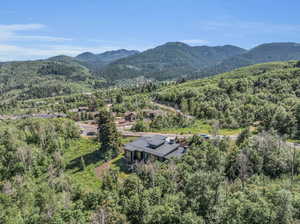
x=20, y=27
x=41, y=38
x=10, y=33
x=25, y=42
x=195, y=41
x=14, y=52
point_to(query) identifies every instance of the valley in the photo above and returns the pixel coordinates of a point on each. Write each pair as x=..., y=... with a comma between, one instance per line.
x=237, y=132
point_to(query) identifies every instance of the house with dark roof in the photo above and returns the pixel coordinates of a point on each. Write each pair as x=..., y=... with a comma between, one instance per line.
x=150, y=148
x=130, y=116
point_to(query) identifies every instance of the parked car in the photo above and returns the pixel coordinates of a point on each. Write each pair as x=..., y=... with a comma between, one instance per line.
x=91, y=133
x=204, y=136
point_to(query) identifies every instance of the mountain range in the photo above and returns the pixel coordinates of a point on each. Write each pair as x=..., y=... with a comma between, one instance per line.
x=176, y=60
x=170, y=61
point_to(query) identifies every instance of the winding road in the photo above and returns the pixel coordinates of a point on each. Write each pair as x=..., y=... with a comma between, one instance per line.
x=124, y=130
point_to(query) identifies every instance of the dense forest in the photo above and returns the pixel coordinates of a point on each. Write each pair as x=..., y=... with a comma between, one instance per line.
x=254, y=180
x=265, y=95
x=38, y=79
x=169, y=61
x=175, y=60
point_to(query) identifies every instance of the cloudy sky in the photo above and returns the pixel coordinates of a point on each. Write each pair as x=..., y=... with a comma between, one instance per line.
x=35, y=29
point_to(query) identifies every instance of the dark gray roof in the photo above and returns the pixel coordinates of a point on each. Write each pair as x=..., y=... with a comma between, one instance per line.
x=177, y=153
x=156, y=141
x=143, y=144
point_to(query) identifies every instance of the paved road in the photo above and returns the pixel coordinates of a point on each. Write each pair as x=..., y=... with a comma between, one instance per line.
x=124, y=130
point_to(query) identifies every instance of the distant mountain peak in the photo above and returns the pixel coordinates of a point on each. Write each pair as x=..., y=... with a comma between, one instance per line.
x=176, y=43
x=86, y=56
x=125, y=52
x=61, y=58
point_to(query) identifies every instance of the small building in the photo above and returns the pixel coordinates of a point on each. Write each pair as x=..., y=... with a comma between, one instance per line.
x=153, y=113
x=130, y=116
x=151, y=148
x=83, y=109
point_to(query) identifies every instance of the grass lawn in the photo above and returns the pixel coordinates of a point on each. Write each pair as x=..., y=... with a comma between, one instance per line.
x=199, y=128
x=87, y=149
x=294, y=141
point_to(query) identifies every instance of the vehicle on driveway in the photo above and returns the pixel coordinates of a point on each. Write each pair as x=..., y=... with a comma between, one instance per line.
x=204, y=136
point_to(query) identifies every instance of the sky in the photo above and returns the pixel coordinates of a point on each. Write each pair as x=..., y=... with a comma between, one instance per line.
x=35, y=29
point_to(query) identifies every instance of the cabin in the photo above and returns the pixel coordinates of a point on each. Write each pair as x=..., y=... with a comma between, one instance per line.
x=151, y=148
x=130, y=116
x=152, y=113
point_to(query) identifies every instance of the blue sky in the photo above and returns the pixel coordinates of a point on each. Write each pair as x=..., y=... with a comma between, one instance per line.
x=35, y=29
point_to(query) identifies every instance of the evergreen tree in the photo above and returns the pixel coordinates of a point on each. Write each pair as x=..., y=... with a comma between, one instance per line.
x=243, y=136
x=298, y=120
x=108, y=135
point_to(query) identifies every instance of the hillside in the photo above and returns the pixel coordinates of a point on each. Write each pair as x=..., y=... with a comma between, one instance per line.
x=264, y=94
x=263, y=53
x=168, y=61
x=43, y=78
x=175, y=60
x=93, y=61
x=106, y=57
x=62, y=74
x=98, y=61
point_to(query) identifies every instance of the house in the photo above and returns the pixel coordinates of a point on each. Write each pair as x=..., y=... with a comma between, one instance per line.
x=150, y=148
x=152, y=113
x=83, y=109
x=130, y=116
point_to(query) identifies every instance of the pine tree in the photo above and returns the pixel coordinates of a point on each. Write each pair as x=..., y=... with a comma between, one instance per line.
x=298, y=121
x=243, y=136
x=108, y=135
x=83, y=166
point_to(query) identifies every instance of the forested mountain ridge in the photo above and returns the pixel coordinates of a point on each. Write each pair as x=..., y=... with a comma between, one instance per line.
x=260, y=54
x=175, y=60
x=168, y=61
x=43, y=78
x=96, y=61
x=107, y=57
x=62, y=74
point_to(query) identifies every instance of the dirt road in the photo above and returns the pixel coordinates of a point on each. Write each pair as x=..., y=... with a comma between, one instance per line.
x=172, y=109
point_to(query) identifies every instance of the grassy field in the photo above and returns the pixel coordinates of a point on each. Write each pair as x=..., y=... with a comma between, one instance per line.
x=294, y=141
x=199, y=127
x=87, y=150
x=83, y=173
